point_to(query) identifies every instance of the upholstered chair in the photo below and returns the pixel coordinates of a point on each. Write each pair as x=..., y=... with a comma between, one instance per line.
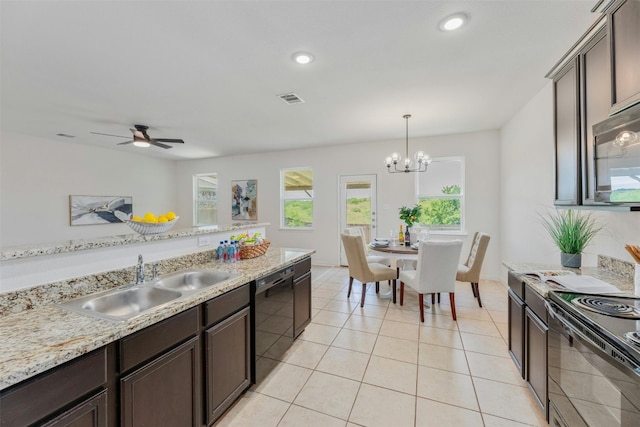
x=363, y=271
x=470, y=270
x=435, y=272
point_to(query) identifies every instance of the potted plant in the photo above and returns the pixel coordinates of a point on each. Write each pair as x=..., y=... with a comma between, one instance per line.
x=409, y=215
x=571, y=232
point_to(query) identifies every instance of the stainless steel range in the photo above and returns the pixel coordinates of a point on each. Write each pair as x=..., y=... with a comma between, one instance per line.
x=594, y=360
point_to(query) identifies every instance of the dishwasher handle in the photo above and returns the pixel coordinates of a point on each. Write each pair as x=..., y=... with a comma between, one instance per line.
x=274, y=279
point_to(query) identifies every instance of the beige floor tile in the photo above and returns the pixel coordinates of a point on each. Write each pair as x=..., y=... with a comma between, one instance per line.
x=493, y=421
x=371, y=310
x=331, y=318
x=399, y=315
x=441, y=337
x=304, y=353
x=363, y=323
x=391, y=374
x=504, y=331
x=332, y=286
x=284, y=382
x=341, y=306
x=319, y=303
x=507, y=401
x=254, y=409
x=379, y=407
x=494, y=368
x=355, y=340
x=394, y=348
x=442, y=321
x=298, y=416
x=325, y=293
x=431, y=413
x=405, y=331
x=484, y=344
x=322, y=334
x=447, y=387
x=499, y=316
x=473, y=312
x=328, y=394
x=446, y=358
x=344, y=363
x=480, y=327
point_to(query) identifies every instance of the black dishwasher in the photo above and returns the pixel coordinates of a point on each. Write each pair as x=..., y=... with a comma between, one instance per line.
x=273, y=320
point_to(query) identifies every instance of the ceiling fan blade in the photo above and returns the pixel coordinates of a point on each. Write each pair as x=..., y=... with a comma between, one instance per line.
x=177, y=141
x=157, y=144
x=137, y=134
x=108, y=134
x=124, y=143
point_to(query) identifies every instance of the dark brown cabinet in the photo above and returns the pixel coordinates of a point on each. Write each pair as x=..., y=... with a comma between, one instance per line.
x=536, y=356
x=516, y=331
x=90, y=413
x=302, y=296
x=624, y=29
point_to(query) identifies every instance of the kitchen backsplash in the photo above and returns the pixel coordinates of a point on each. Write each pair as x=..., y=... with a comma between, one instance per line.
x=617, y=266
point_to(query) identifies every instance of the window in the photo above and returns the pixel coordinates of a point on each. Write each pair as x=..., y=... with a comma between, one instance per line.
x=205, y=199
x=441, y=194
x=297, y=198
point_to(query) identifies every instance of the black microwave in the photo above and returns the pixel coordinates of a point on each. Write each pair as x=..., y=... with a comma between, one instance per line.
x=617, y=159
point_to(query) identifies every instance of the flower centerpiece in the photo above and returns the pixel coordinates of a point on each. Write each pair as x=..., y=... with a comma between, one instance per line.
x=571, y=232
x=410, y=215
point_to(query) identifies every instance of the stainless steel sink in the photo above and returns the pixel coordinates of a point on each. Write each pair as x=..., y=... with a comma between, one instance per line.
x=121, y=304
x=192, y=280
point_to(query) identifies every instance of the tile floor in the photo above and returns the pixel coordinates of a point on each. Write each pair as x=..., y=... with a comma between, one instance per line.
x=379, y=366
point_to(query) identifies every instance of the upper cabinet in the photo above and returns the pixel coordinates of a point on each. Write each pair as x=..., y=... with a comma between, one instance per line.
x=597, y=78
x=624, y=31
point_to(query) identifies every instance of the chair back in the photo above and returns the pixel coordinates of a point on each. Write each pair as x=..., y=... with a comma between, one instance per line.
x=356, y=258
x=437, y=265
x=476, y=257
x=358, y=231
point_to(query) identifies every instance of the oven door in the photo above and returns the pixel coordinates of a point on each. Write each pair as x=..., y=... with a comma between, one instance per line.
x=588, y=385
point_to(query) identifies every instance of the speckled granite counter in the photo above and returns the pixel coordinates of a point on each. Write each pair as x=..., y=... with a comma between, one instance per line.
x=36, y=340
x=622, y=282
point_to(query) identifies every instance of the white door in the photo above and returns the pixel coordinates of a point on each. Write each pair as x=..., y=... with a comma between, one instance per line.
x=357, y=206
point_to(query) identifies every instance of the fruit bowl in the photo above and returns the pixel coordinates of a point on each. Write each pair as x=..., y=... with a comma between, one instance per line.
x=146, y=227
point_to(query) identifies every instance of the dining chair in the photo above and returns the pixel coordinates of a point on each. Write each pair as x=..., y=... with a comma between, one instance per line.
x=359, y=231
x=470, y=270
x=363, y=271
x=435, y=272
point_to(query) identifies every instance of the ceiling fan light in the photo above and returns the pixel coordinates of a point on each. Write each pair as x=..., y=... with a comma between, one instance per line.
x=453, y=22
x=141, y=143
x=302, y=57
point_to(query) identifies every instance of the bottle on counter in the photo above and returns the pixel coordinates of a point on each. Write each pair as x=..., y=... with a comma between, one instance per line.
x=400, y=236
x=407, y=237
x=220, y=252
x=232, y=251
x=226, y=251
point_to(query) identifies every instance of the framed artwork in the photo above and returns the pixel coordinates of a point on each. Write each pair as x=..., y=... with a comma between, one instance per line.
x=244, y=200
x=91, y=210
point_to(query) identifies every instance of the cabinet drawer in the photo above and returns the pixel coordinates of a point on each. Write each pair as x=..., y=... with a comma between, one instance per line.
x=301, y=268
x=516, y=284
x=151, y=341
x=52, y=391
x=535, y=302
x=226, y=304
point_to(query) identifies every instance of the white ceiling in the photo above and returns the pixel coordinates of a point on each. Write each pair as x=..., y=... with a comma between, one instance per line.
x=209, y=71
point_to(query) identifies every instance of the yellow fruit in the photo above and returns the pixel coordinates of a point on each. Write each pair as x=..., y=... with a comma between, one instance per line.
x=170, y=215
x=150, y=220
x=149, y=216
x=162, y=218
x=136, y=218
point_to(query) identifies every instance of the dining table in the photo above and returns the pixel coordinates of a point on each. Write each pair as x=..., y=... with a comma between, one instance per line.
x=395, y=253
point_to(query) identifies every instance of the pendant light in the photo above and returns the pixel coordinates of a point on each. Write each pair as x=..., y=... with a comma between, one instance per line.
x=422, y=159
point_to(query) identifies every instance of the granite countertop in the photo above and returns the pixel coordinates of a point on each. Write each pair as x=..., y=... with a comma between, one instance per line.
x=34, y=341
x=623, y=283
x=26, y=251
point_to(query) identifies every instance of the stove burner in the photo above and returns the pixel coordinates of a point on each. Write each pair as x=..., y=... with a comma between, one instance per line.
x=633, y=338
x=607, y=307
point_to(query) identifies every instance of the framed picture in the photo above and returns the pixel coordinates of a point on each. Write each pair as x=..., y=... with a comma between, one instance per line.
x=244, y=200
x=91, y=210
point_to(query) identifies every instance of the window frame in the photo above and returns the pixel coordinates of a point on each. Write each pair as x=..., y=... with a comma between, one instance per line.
x=284, y=199
x=461, y=229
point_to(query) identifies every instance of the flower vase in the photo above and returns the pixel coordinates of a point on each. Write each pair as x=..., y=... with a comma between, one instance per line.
x=571, y=260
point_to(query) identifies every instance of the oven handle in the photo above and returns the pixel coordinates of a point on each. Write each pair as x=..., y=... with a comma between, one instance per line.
x=576, y=334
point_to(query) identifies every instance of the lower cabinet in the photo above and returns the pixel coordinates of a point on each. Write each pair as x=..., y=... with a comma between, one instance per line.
x=536, y=356
x=301, y=303
x=228, y=362
x=516, y=331
x=90, y=413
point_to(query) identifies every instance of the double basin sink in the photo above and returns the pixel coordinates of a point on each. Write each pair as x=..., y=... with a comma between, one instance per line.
x=128, y=301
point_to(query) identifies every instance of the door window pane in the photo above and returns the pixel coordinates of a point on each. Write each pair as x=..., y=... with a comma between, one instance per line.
x=205, y=197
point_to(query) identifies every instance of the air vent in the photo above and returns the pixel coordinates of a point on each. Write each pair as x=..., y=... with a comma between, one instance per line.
x=291, y=98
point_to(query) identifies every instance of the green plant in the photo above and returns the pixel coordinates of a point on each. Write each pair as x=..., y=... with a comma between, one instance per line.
x=409, y=215
x=571, y=231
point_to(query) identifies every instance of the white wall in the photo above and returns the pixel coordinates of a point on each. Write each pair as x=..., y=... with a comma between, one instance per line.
x=481, y=150
x=527, y=189
x=38, y=175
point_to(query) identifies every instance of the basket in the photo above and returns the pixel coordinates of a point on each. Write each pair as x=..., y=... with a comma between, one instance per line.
x=252, y=251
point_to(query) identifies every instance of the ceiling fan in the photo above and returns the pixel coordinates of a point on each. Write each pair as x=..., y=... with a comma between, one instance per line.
x=142, y=139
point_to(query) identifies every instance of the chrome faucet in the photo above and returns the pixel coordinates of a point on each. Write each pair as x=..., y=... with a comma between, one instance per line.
x=154, y=271
x=140, y=271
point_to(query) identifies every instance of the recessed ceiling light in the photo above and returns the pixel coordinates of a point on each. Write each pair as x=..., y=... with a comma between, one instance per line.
x=302, y=57
x=453, y=22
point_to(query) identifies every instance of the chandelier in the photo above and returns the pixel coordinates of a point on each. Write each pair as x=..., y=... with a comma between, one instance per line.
x=422, y=159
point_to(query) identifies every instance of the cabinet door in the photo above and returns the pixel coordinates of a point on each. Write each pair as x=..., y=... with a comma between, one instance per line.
x=165, y=391
x=90, y=413
x=567, y=128
x=624, y=23
x=228, y=362
x=596, y=87
x=516, y=331
x=536, y=357
x=301, y=304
